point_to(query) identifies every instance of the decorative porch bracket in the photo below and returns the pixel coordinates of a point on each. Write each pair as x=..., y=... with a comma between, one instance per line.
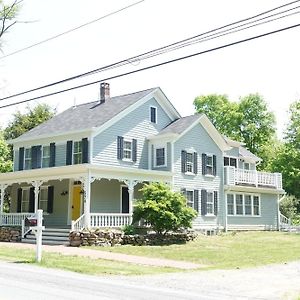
x=86, y=182
x=131, y=184
x=36, y=184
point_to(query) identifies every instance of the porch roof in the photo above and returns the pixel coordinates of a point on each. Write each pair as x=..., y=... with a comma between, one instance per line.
x=77, y=171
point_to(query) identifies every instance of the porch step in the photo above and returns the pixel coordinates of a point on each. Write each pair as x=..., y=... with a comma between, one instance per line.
x=51, y=236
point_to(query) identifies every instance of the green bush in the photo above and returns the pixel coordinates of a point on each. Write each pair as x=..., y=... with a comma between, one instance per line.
x=129, y=229
x=163, y=209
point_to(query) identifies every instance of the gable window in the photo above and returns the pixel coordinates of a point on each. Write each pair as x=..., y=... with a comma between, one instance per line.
x=126, y=149
x=209, y=164
x=27, y=159
x=77, y=152
x=189, y=162
x=25, y=200
x=45, y=156
x=230, y=161
x=160, y=157
x=153, y=114
x=243, y=205
x=230, y=204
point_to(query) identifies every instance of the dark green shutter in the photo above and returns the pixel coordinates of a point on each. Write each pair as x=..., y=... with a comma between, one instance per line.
x=120, y=145
x=19, y=201
x=21, y=158
x=195, y=163
x=50, y=199
x=214, y=165
x=85, y=150
x=134, y=150
x=31, y=200
x=36, y=156
x=204, y=162
x=203, y=202
x=69, y=153
x=196, y=200
x=183, y=161
x=216, y=203
x=52, y=155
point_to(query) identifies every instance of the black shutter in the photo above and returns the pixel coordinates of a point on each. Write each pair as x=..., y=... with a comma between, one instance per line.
x=52, y=155
x=33, y=157
x=183, y=161
x=216, y=203
x=120, y=145
x=196, y=200
x=204, y=162
x=50, y=199
x=85, y=150
x=134, y=149
x=214, y=165
x=203, y=202
x=19, y=202
x=38, y=150
x=21, y=158
x=69, y=153
x=195, y=163
x=31, y=200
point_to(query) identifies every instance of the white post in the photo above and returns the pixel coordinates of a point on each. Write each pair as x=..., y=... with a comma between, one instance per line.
x=131, y=184
x=2, y=190
x=39, y=234
x=86, y=182
x=36, y=184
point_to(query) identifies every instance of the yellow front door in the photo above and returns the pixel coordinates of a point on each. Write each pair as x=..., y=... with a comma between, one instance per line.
x=76, y=202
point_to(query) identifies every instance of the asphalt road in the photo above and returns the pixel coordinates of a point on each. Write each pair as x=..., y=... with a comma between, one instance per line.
x=24, y=281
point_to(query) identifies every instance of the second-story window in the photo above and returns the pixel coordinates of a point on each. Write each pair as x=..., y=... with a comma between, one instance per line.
x=27, y=159
x=77, y=153
x=160, y=157
x=209, y=164
x=189, y=162
x=153, y=114
x=127, y=150
x=230, y=161
x=46, y=156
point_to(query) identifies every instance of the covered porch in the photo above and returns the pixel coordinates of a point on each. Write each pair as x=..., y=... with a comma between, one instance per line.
x=75, y=197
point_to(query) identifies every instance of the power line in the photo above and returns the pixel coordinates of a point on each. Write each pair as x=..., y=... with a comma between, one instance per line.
x=71, y=30
x=155, y=65
x=171, y=47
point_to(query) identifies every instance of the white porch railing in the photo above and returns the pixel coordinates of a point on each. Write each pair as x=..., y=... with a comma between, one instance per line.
x=284, y=221
x=78, y=224
x=235, y=176
x=13, y=219
x=110, y=220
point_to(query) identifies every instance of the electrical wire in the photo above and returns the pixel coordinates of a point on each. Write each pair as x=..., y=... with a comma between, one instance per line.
x=155, y=65
x=71, y=30
x=158, y=51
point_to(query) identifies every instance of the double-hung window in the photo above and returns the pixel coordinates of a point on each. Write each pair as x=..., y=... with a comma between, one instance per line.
x=256, y=209
x=46, y=156
x=190, y=162
x=230, y=204
x=27, y=159
x=153, y=114
x=239, y=204
x=43, y=198
x=209, y=165
x=77, y=153
x=127, y=150
x=248, y=205
x=190, y=198
x=230, y=161
x=25, y=200
x=160, y=157
x=243, y=205
x=210, y=203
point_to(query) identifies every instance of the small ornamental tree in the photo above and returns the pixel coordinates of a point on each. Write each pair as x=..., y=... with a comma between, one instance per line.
x=163, y=209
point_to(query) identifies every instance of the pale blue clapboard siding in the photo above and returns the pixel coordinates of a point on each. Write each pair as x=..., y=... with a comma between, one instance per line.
x=268, y=216
x=136, y=125
x=169, y=159
x=106, y=196
x=60, y=154
x=16, y=160
x=234, y=152
x=197, y=139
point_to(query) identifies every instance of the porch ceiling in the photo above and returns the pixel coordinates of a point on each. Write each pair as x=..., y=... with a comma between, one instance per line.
x=77, y=171
x=253, y=189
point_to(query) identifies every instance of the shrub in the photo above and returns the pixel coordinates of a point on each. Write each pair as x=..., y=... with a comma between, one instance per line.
x=163, y=209
x=129, y=229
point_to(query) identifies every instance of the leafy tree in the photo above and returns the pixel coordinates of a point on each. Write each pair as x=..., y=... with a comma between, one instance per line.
x=8, y=14
x=247, y=120
x=5, y=162
x=163, y=209
x=288, y=206
x=22, y=123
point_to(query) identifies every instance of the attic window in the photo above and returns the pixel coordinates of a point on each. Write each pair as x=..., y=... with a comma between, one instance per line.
x=153, y=114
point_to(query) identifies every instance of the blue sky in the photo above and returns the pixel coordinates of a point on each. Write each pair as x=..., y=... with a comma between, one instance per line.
x=268, y=66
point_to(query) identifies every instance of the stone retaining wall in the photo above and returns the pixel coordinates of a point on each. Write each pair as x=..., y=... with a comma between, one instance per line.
x=101, y=237
x=10, y=234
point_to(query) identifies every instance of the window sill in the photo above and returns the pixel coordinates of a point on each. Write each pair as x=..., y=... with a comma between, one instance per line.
x=210, y=215
x=160, y=166
x=209, y=176
x=190, y=173
x=127, y=160
x=245, y=216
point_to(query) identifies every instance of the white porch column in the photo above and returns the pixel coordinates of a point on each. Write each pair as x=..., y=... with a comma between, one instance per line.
x=86, y=185
x=2, y=190
x=36, y=184
x=131, y=184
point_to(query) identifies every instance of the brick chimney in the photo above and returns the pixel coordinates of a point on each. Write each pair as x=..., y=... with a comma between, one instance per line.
x=104, y=92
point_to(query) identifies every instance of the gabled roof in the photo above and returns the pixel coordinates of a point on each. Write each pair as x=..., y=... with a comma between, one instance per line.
x=92, y=115
x=243, y=152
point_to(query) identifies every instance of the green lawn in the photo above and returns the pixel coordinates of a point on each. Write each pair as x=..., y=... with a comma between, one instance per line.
x=244, y=249
x=79, y=264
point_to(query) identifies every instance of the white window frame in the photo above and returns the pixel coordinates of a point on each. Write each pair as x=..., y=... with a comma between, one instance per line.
x=165, y=156
x=244, y=166
x=27, y=190
x=190, y=201
x=78, y=153
x=251, y=204
x=43, y=157
x=233, y=204
x=155, y=108
x=127, y=150
x=43, y=200
x=231, y=157
x=244, y=204
x=212, y=202
x=28, y=159
x=189, y=163
x=209, y=155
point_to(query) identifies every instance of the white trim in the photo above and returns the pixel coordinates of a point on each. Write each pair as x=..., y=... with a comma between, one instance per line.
x=213, y=214
x=126, y=140
x=155, y=108
x=121, y=197
x=193, y=198
x=165, y=156
x=70, y=198
x=42, y=156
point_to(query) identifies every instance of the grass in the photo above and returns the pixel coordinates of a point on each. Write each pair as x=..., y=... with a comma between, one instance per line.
x=226, y=251
x=79, y=264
